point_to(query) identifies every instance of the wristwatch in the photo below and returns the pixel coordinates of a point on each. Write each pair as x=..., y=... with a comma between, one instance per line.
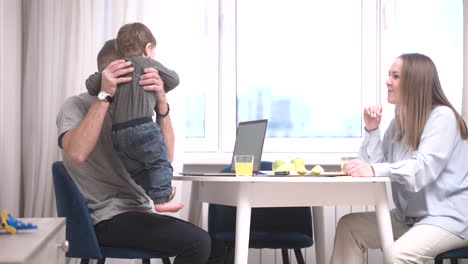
x=104, y=96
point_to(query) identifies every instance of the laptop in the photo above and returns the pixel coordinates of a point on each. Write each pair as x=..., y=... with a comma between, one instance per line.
x=250, y=137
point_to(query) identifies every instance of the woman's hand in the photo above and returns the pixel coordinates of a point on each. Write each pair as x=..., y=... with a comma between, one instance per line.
x=372, y=116
x=358, y=168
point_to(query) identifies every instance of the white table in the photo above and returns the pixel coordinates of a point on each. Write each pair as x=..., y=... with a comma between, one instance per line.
x=248, y=192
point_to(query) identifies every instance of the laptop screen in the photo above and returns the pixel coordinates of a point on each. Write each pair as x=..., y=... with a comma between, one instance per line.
x=249, y=141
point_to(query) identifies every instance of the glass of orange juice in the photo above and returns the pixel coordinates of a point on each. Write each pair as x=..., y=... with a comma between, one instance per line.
x=243, y=165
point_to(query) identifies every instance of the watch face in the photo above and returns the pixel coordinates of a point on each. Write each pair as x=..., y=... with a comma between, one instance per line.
x=102, y=95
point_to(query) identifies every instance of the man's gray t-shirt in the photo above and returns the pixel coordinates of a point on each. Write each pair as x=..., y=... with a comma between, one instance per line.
x=102, y=179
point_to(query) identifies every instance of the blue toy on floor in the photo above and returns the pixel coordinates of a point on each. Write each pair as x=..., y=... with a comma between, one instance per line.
x=12, y=225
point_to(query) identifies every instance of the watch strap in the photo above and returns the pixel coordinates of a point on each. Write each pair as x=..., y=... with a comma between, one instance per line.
x=109, y=99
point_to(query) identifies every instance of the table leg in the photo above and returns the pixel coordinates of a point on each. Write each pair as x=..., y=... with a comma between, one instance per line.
x=244, y=211
x=195, y=208
x=319, y=233
x=384, y=222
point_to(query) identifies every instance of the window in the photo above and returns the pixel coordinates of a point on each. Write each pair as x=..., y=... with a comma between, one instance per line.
x=189, y=40
x=304, y=77
x=434, y=28
x=309, y=67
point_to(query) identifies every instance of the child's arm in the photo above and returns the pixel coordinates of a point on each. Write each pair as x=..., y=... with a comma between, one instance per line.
x=93, y=84
x=169, y=77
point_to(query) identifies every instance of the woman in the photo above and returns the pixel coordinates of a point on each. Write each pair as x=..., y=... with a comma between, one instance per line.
x=424, y=151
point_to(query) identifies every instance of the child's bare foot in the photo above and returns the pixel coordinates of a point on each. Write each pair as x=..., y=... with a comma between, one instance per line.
x=168, y=207
x=174, y=190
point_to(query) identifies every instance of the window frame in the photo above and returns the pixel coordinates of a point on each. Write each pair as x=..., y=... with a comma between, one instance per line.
x=313, y=150
x=210, y=141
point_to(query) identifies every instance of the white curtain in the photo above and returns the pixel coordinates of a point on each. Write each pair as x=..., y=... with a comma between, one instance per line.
x=57, y=41
x=465, y=61
x=10, y=106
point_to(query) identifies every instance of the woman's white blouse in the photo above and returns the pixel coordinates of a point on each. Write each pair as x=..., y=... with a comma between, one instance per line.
x=429, y=184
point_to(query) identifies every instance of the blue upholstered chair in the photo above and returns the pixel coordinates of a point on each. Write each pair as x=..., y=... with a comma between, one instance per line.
x=276, y=228
x=454, y=255
x=80, y=230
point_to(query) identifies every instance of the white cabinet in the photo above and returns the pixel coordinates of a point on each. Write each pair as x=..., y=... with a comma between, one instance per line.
x=46, y=244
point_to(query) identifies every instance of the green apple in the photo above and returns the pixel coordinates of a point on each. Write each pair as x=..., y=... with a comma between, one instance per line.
x=278, y=163
x=317, y=169
x=299, y=163
x=301, y=171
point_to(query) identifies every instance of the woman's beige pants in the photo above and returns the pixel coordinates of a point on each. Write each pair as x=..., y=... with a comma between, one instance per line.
x=357, y=232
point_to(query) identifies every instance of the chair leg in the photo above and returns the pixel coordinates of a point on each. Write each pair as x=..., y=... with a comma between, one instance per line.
x=101, y=261
x=453, y=261
x=145, y=261
x=299, y=258
x=84, y=261
x=229, y=256
x=284, y=253
x=165, y=261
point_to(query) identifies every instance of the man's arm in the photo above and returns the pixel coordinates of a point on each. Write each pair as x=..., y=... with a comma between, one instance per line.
x=80, y=141
x=153, y=82
x=167, y=130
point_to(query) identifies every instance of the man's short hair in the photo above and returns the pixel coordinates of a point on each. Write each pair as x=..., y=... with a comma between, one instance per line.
x=107, y=54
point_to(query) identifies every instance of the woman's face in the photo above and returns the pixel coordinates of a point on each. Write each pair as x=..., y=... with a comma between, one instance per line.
x=393, y=82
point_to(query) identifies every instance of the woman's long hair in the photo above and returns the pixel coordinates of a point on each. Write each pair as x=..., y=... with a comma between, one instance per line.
x=420, y=92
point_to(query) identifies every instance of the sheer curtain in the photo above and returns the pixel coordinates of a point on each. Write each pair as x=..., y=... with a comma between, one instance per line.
x=58, y=48
x=10, y=106
x=465, y=60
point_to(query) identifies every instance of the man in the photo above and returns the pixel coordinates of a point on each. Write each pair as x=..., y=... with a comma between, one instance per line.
x=121, y=211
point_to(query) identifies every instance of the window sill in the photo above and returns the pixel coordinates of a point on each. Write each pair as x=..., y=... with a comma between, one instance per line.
x=224, y=158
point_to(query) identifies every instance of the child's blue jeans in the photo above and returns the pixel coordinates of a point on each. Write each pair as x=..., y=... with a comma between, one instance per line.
x=141, y=148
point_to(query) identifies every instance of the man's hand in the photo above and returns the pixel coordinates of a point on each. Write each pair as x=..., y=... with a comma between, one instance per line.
x=358, y=168
x=151, y=81
x=111, y=75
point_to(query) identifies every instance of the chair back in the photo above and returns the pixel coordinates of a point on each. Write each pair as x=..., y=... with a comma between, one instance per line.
x=454, y=255
x=277, y=227
x=71, y=204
